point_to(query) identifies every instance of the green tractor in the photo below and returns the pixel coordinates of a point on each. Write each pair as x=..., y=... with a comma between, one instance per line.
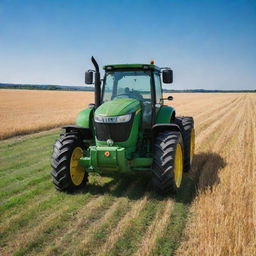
x=128, y=129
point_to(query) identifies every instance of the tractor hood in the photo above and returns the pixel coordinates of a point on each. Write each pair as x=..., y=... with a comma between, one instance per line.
x=118, y=106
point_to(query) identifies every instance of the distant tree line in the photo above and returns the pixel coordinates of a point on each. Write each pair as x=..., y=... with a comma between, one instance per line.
x=45, y=87
x=205, y=91
x=90, y=88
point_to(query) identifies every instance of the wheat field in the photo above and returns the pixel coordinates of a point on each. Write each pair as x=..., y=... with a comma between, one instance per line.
x=213, y=214
x=27, y=111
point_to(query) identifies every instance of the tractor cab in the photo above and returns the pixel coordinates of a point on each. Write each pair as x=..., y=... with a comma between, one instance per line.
x=141, y=82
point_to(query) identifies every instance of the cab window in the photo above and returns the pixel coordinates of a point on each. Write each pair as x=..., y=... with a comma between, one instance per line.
x=127, y=84
x=158, y=88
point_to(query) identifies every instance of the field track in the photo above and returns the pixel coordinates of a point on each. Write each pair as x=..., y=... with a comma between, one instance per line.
x=121, y=215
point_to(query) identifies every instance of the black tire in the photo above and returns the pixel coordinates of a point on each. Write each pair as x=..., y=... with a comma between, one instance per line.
x=62, y=152
x=186, y=124
x=164, y=151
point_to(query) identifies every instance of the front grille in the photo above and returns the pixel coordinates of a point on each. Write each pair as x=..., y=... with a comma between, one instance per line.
x=117, y=132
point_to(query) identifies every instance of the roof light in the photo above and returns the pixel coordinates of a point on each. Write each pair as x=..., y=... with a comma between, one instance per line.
x=152, y=62
x=109, y=68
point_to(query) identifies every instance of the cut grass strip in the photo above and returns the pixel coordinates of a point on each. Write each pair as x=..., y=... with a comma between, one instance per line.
x=25, y=172
x=17, y=187
x=11, y=167
x=33, y=239
x=28, y=144
x=168, y=243
x=84, y=237
x=83, y=219
x=52, y=201
x=48, y=186
x=101, y=233
x=130, y=230
x=99, y=236
x=31, y=217
x=155, y=229
x=26, y=155
x=32, y=153
x=49, y=220
x=24, y=197
x=9, y=223
x=41, y=240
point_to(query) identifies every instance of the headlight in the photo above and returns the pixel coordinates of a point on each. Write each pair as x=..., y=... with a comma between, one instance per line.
x=124, y=118
x=112, y=119
x=98, y=119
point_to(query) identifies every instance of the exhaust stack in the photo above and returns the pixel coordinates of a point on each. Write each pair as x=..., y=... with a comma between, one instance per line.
x=97, y=83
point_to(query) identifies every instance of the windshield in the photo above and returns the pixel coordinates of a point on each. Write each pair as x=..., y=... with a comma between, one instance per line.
x=127, y=84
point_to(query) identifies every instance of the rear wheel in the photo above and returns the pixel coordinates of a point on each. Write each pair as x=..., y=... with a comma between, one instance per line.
x=167, y=168
x=66, y=172
x=186, y=124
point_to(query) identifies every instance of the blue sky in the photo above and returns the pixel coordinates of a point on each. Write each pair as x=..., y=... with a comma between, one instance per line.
x=208, y=44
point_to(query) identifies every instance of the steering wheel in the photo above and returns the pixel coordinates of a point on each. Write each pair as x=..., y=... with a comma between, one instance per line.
x=136, y=96
x=146, y=100
x=123, y=94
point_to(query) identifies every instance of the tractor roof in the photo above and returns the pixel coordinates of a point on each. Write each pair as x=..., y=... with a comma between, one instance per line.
x=131, y=67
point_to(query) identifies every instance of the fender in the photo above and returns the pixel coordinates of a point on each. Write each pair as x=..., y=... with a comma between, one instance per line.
x=84, y=118
x=165, y=115
x=84, y=133
x=165, y=127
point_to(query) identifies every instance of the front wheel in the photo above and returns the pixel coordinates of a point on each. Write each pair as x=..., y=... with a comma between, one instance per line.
x=66, y=172
x=167, y=168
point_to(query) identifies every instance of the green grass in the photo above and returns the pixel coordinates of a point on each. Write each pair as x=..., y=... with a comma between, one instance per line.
x=45, y=221
x=127, y=243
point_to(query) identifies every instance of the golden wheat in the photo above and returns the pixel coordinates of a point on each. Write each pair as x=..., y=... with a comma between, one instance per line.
x=26, y=111
x=222, y=218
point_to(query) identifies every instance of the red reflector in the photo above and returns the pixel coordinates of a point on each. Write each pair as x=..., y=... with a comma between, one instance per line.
x=107, y=154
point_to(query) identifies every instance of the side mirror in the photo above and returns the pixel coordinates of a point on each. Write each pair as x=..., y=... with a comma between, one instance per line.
x=167, y=76
x=88, y=77
x=168, y=98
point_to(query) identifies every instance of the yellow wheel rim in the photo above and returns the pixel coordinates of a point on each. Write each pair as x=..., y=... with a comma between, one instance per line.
x=192, y=145
x=178, y=166
x=76, y=171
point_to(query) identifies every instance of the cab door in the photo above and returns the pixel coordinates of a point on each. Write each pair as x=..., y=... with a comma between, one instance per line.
x=158, y=92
